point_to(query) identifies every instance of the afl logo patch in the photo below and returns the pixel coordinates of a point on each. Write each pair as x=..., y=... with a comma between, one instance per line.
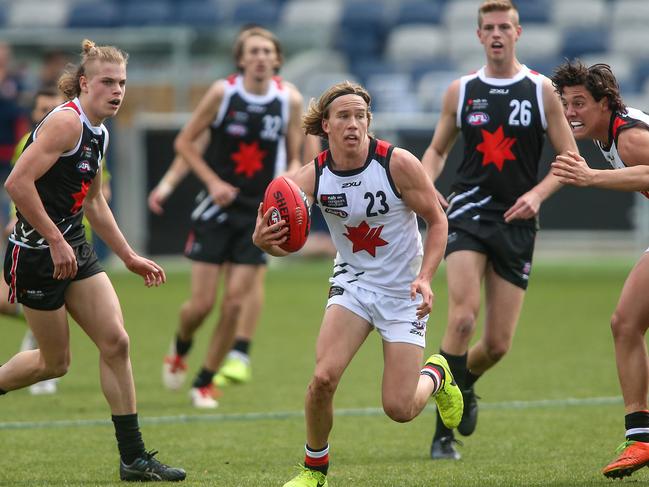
x=477, y=118
x=83, y=167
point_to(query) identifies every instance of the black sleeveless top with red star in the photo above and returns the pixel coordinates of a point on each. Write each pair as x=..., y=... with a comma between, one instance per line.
x=249, y=140
x=64, y=186
x=503, y=125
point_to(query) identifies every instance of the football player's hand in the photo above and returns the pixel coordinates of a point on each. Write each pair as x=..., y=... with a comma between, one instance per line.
x=222, y=193
x=526, y=206
x=572, y=169
x=422, y=286
x=64, y=259
x=153, y=274
x=269, y=236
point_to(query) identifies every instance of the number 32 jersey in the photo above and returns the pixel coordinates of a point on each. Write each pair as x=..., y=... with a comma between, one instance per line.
x=503, y=124
x=375, y=233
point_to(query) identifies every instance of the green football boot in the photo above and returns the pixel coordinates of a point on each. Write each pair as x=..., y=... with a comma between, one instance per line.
x=235, y=370
x=449, y=397
x=308, y=478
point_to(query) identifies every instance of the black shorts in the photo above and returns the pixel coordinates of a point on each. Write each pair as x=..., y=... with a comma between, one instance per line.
x=28, y=272
x=508, y=247
x=226, y=237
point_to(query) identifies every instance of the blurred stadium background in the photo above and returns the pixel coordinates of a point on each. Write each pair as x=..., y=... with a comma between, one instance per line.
x=405, y=52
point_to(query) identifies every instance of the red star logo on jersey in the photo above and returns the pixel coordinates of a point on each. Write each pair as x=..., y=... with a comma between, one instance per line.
x=249, y=159
x=80, y=196
x=496, y=148
x=365, y=238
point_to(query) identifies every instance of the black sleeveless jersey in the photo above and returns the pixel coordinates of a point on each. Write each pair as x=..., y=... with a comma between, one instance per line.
x=249, y=142
x=64, y=186
x=503, y=124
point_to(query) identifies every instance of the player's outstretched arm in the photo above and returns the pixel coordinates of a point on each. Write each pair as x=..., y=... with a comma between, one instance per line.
x=418, y=194
x=445, y=135
x=103, y=223
x=528, y=204
x=173, y=177
x=633, y=147
x=221, y=192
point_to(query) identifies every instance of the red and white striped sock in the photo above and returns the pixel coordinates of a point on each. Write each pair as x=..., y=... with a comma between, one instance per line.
x=436, y=374
x=317, y=459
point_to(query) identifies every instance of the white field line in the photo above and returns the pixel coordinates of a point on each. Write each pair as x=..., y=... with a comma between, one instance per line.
x=281, y=415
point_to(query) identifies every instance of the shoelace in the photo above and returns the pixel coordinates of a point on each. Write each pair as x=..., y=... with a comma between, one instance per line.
x=624, y=445
x=156, y=463
x=453, y=439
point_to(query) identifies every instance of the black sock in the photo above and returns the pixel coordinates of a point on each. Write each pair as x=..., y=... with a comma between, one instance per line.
x=242, y=345
x=204, y=378
x=637, y=426
x=182, y=346
x=457, y=364
x=469, y=379
x=129, y=438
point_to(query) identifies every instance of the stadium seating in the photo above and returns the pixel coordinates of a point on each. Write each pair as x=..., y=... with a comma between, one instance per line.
x=405, y=40
x=419, y=12
x=149, y=12
x=94, y=14
x=34, y=13
x=202, y=13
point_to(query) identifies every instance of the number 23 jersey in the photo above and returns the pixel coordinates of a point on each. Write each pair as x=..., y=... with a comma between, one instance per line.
x=375, y=233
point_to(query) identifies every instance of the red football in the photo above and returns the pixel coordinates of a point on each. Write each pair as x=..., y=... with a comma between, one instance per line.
x=290, y=205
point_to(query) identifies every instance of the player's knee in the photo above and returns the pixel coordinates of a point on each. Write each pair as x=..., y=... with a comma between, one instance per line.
x=323, y=384
x=202, y=306
x=497, y=350
x=55, y=368
x=621, y=326
x=463, y=324
x=117, y=346
x=398, y=411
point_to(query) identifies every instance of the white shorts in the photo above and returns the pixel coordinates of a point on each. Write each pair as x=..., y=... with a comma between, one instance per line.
x=394, y=318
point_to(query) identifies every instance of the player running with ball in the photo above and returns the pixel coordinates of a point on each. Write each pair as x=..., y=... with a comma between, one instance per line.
x=371, y=193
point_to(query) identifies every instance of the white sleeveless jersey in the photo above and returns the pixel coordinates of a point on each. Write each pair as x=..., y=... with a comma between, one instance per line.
x=375, y=233
x=619, y=122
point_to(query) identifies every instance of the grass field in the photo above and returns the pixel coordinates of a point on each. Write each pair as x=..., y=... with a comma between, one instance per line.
x=551, y=412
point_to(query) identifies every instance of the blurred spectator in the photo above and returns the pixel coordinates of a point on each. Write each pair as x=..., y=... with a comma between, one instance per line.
x=54, y=63
x=13, y=119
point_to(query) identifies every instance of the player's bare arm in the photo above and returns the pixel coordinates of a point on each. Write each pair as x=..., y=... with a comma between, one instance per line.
x=294, y=136
x=633, y=147
x=59, y=134
x=222, y=193
x=418, y=194
x=445, y=135
x=103, y=222
x=561, y=138
x=177, y=171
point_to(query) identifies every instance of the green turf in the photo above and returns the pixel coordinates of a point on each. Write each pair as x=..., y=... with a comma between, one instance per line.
x=562, y=350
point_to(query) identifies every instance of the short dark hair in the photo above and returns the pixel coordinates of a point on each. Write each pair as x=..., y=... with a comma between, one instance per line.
x=598, y=79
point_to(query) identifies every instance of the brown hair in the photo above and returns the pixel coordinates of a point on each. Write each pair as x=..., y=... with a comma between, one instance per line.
x=598, y=79
x=251, y=31
x=69, y=80
x=497, y=6
x=319, y=110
